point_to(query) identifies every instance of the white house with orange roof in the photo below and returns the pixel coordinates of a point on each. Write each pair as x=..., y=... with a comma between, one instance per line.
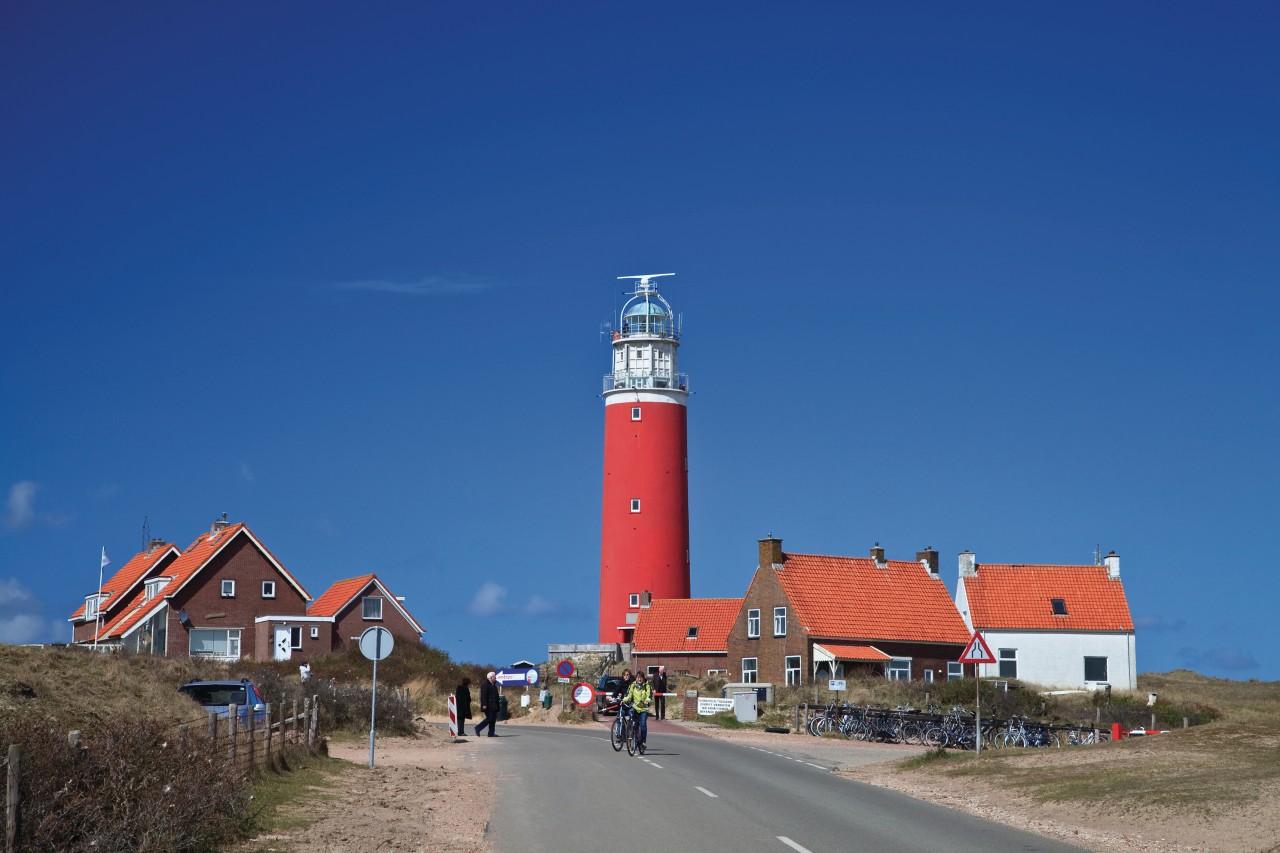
x=1055, y=626
x=689, y=636
x=349, y=607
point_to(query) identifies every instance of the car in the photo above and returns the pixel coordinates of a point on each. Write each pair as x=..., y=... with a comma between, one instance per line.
x=219, y=696
x=607, y=689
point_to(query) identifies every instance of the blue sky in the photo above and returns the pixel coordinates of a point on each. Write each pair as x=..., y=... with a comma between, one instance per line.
x=997, y=277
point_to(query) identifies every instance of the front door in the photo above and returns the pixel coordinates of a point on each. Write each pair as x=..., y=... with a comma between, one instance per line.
x=282, y=644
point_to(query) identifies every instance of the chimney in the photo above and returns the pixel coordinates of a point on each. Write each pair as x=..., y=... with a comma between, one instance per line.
x=1113, y=565
x=646, y=598
x=968, y=564
x=877, y=554
x=219, y=524
x=154, y=544
x=930, y=559
x=771, y=552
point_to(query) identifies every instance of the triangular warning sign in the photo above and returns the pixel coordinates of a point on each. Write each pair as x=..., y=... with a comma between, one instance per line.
x=977, y=651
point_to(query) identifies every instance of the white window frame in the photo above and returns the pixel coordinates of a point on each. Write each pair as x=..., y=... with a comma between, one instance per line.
x=955, y=670
x=268, y=589
x=692, y=633
x=229, y=643
x=928, y=676
x=712, y=672
x=635, y=413
x=228, y=589
x=898, y=669
x=364, y=608
x=1010, y=657
x=633, y=600
x=750, y=675
x=779, y=621
x=753, y=623
x=635, y=504
x=792, y=670
x=315, y=632
x=295, y=638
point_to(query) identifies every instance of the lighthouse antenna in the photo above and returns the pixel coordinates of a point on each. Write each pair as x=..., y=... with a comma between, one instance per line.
x=644, y=284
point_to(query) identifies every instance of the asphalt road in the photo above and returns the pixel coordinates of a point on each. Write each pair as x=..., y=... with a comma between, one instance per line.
x=566, y=790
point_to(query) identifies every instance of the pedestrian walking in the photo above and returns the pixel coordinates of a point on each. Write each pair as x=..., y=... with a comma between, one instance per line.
x=659, y=691
x=489, y=704
x=304, y=671
x=462, y=705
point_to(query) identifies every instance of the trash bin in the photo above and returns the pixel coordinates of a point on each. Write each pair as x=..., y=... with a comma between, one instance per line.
x=503, y=713
x=546, y=699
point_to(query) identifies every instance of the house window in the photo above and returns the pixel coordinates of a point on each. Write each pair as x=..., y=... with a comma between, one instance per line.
x=779, y=621
x=635, y=413
x=928, y=676
x=652, y=670
x=955, y=670
x=749, y=666
x=91, y=607
x=635, y=504
x=371, y=607
x=154, y=586
x=221, y=643
x=633, y=600
x=315, y=632
x=295, y=638
x=793, y=670
x=693, y=633
x=899, y=669
x=268, y=589
x=712, y=672
x=753, y=623
x=229, y=589
x=1059, y=606
x=1095, y=669
x=1008, y=663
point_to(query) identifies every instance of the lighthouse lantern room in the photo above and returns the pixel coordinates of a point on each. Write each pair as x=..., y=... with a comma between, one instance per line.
x=644, y=552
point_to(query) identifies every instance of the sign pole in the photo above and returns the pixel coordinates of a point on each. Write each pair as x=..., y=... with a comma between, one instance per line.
x=977, y=653
x=373, y=706
x=977, y=704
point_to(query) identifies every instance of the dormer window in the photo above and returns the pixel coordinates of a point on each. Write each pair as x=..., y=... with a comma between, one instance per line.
x=92, y=605
x=693, y=633
x=1059, y=606
x=635, y=504
x=154, y=586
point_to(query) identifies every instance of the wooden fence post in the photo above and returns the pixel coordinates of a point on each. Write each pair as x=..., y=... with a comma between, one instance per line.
x=314, y=721
x=266, y=746
x=213, y=730
x=293, y=724
x=233, y=728
x=13, y=798
x=250, y=730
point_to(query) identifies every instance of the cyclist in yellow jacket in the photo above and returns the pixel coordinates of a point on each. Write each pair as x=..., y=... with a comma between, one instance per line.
x=640, y=698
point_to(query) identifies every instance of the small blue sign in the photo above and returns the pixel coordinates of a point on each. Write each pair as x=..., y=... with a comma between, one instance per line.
x=513, y=677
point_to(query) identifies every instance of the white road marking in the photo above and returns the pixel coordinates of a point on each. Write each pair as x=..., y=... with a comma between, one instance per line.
x=708, y=793
x=793, y=845
x=652, y=764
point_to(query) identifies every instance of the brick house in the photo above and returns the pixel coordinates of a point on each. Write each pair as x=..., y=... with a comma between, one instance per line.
x=207, y=600
x=688, y=636
x=1055, y=626
x=102, y=606
x=809, y=617
x=350, y=606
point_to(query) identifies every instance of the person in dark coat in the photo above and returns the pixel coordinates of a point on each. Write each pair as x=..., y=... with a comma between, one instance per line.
x=627, y=678
x=659, y=687
x=463, y=699
x=489, y=704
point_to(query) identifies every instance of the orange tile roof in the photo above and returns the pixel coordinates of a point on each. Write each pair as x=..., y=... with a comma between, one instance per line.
x=121, y=583
x=336, y=598
x=1019, y=597
x=664, y=625
x=853, y=652
x=188, y=565
x=853, y=598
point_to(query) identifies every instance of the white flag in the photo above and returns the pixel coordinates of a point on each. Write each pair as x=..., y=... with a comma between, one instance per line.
x=105, y=561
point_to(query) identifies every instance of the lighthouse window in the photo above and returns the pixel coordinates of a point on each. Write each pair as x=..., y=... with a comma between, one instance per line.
x=635, y=504
x=635, y=413
x=634, y=600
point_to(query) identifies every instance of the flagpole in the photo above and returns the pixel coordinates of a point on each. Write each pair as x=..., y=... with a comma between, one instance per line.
x=97, y=599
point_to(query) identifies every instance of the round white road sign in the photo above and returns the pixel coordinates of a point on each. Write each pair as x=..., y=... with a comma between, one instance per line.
x=583, y=695
x=376, y=643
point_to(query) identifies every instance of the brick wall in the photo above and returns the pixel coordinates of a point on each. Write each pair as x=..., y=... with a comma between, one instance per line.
x=351, y=623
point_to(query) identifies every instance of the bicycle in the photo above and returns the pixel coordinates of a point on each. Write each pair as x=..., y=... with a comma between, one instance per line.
x=624, y=731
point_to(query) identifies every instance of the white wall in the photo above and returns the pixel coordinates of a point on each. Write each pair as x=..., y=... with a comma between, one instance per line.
x=1056, y=658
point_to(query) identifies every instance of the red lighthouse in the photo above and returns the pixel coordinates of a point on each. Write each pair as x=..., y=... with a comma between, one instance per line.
x=644, y=546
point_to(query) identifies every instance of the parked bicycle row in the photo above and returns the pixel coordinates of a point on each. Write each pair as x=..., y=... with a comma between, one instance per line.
x=956, y=728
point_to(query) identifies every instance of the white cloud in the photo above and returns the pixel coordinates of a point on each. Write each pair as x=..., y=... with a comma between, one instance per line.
x=13, y=592
x=431, y=285
x=246, y=472
x=21, y=628
x=539, y=606
x=489, y=600
x=21, y=506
